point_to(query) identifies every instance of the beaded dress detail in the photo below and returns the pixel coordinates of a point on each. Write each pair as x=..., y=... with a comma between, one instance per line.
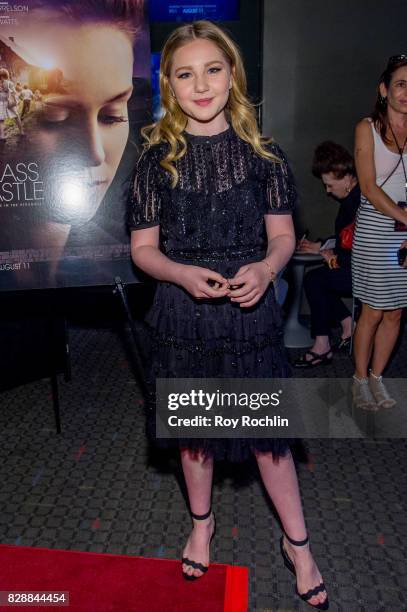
x=213, y=218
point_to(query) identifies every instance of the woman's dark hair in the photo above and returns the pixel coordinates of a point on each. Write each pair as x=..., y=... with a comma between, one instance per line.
x=379, y=114
x=332, y=157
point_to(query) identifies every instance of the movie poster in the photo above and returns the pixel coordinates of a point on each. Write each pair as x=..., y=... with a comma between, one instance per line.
x=74, y=93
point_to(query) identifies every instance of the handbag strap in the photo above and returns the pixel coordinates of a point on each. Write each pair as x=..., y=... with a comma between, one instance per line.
x=393, y=171
x=401, y=160
x=401, y=151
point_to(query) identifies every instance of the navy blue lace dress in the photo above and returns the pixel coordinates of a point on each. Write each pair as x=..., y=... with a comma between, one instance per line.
x=213, y=218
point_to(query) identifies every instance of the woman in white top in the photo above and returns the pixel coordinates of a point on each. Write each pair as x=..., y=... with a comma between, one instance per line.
x=8, y=95
x=378, y=280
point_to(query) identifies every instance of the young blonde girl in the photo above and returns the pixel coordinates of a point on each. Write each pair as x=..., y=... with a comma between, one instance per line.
x=210, y=213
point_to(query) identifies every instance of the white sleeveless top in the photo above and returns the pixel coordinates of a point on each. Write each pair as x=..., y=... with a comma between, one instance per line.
x=385, y=162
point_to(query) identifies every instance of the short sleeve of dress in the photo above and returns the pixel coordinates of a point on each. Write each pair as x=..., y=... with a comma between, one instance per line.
x=144, y=201
x=280, y=194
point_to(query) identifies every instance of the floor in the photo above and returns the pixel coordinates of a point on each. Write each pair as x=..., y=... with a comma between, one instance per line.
x=96, y=487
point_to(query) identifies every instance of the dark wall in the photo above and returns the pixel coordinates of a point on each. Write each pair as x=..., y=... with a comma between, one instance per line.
x=322, y=59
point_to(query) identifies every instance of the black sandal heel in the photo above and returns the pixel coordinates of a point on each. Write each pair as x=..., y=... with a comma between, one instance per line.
x=342, y=345
x=290, y=566
x=194, y=564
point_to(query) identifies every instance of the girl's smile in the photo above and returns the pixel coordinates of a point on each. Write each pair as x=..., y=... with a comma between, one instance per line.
x=200, y=79
x=203, y=101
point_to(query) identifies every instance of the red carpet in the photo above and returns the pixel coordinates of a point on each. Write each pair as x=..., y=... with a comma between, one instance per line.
x=120, y=583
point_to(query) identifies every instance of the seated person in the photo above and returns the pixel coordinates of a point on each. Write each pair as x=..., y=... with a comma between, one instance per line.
x=325, y=285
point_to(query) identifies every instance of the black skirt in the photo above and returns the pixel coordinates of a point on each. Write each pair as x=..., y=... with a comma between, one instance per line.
x=214, y=338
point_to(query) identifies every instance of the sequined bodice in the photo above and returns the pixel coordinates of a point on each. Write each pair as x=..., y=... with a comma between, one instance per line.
x=217, y=208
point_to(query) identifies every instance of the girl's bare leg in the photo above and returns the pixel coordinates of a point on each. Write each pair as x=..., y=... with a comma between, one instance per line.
x=280, y=480
x=198, y=474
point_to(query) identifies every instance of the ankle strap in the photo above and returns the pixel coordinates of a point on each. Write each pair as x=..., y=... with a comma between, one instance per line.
x=297, y=542
x=201, y=517
x=362, y=381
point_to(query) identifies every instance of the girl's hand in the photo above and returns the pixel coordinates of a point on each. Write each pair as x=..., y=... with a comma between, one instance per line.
x=307, y=246
x=254, y=278
x=327, y=254
x=194, y=279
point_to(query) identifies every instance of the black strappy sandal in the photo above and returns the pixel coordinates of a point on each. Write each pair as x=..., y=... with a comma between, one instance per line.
x=194, y=564
x=318, y=359
x=290, y=566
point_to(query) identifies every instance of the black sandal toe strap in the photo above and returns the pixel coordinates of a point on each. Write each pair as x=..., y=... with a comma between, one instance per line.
x=312, y=592
x=194, y=564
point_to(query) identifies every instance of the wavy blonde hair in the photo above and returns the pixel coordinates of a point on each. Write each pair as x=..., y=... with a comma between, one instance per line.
x=239, y=110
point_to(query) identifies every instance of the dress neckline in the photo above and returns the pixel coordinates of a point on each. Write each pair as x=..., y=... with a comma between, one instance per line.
x=222, y=136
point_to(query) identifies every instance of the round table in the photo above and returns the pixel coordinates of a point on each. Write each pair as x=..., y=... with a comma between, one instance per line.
x=296, y=335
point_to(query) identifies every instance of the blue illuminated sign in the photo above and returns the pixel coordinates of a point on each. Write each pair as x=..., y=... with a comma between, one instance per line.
x=220, y=10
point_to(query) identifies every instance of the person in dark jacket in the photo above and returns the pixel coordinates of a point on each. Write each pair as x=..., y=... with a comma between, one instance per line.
x=324, y=286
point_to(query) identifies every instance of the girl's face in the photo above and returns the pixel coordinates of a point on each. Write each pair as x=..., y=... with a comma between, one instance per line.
x=397, y=92
x=338, y=187
x=82, y=128
x=200, y=79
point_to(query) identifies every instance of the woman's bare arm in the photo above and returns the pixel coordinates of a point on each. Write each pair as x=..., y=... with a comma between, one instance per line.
x=281, y=240
x=148, y=257
x=365, y=167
